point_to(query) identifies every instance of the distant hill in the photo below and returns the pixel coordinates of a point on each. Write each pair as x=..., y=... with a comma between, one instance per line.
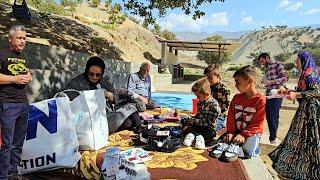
x=197, y=36
x=274, y=41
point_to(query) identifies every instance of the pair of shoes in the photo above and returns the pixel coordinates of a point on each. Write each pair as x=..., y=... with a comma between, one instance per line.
x=228, y=152
x=218, y=150
x=161, y=144
x=189, y=139
x=232, y=153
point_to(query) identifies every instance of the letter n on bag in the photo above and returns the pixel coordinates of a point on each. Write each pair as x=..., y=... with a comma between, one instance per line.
x=49, y=122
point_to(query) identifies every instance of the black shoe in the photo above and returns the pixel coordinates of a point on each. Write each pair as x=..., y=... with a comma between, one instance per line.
x=167, y=145
x=153, y=131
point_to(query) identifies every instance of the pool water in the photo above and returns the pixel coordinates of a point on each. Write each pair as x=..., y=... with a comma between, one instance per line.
x=181, y=101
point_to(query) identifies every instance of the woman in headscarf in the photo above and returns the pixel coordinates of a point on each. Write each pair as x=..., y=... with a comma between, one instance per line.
x=298, y=156
x=125, y=115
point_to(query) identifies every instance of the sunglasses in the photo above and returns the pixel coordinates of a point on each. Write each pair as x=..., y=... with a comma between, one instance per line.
x=91, y=74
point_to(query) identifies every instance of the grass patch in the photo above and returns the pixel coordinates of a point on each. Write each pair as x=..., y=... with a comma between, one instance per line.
x=233, y=68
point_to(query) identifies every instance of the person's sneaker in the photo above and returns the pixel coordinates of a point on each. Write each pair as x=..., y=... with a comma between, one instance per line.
x=199, y=142
x=217, y=151
x=188, y=140
x=232, y=153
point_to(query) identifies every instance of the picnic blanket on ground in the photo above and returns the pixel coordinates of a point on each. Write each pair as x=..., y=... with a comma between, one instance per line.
x=184, y=163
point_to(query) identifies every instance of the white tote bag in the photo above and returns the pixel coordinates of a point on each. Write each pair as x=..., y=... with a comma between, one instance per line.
x=51, y=140
x=89, y=110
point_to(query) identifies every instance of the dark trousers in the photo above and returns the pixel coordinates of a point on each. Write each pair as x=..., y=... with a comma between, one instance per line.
x=272, y=113
x=133, y=122
x=13, y=120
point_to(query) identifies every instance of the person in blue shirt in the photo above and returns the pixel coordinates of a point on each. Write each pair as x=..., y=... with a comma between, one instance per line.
x=139, y=88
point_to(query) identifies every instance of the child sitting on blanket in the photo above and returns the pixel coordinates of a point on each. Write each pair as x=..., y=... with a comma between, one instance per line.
x=201, y=127
x=245, y=118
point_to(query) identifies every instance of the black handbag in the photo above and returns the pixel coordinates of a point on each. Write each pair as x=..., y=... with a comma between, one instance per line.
x=21, y=11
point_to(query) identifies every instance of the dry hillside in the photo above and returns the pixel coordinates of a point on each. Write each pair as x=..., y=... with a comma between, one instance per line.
x=274, y=41
x=128, y=41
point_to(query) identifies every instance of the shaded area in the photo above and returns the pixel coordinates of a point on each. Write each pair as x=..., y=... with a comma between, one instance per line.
x=148, y=56
x=60, y=31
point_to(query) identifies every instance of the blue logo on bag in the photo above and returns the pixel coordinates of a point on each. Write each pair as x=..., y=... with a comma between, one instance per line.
x=48, y=122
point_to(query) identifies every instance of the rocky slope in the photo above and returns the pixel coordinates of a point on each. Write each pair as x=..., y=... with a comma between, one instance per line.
x=274, y=41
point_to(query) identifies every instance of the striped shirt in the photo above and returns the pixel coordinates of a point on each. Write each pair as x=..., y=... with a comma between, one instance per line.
x=275, y=71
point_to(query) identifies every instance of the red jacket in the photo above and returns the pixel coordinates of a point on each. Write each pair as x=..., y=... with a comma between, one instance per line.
x=246, y=116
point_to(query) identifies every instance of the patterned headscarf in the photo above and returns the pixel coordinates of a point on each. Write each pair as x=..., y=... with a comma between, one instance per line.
x=309, y=71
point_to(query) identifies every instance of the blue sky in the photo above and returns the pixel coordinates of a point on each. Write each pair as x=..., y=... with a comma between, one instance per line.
x=235, y=15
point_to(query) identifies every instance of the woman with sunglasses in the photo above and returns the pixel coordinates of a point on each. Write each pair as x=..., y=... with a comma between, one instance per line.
x=125, y=115
x=298, y=156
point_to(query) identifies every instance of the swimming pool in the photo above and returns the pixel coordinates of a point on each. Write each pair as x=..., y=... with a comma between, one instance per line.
x=180, y=100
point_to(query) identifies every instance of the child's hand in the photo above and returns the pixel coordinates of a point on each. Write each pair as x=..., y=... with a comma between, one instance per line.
x=239, y=139
x=228, y=138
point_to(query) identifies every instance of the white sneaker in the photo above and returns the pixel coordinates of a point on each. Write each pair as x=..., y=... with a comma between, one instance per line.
x=232, y=153
x=200, y=144
x=188, y=140
x=216, y=153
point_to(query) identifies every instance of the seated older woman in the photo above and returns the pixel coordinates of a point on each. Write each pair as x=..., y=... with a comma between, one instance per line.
x=124, y=115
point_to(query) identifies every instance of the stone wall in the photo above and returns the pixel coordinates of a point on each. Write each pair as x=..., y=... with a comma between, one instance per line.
x=52, y=67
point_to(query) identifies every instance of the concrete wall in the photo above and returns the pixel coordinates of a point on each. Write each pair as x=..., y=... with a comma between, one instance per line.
x=52, y=67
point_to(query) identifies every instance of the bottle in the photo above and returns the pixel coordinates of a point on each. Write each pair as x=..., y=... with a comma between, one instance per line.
x=175, y=113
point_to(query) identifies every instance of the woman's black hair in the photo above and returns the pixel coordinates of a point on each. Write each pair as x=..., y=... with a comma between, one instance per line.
x=94, y=61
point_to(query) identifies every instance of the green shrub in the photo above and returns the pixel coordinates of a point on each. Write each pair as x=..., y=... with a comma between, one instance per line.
x=107, y=3
x=68, y=2
x=52, y=7
x=233, y=68
x=96, y=2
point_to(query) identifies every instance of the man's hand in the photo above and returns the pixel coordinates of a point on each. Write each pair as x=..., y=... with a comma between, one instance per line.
x=239, y=139
x=143, y=99
x=22, y=79
x=109, y=95
x=228, y=138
